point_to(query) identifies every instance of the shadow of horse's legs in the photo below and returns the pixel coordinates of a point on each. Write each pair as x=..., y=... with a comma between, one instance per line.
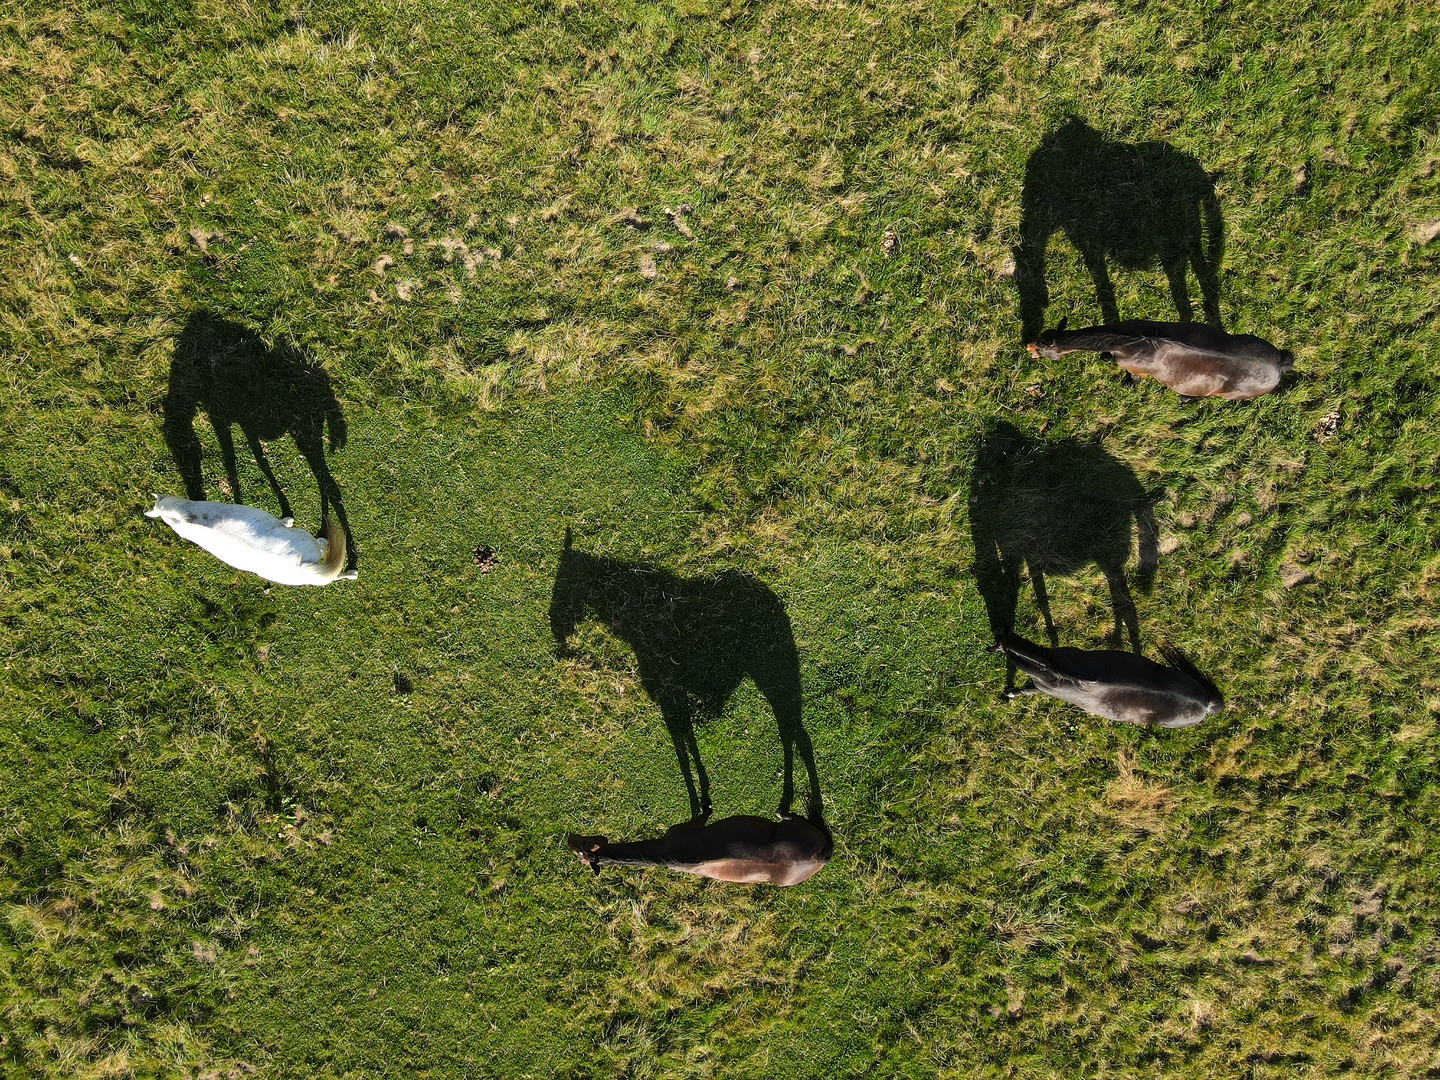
x=1209, y=287
x=1127, y=620
x=227, y=454
x=784, y=700
x=1042, y=601
x=1029, y=258
x=1100, y=275
x=680, y=723
x=312, y=449
x=185, y=449
x=262, y=459
x=1179, y=288
x=998, y=579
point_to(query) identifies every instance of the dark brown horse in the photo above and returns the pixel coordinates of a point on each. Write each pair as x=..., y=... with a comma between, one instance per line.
x=695, y=640
x=1115, y=685
x=743, y=848
x=1196, y=361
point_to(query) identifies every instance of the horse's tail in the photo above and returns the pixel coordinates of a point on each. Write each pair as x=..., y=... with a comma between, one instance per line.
x=332, y=566
x=1214, y=700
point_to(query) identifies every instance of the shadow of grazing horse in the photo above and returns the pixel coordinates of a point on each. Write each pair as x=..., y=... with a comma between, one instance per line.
x=696, y=640
x=1054, y=508
x=228, y=371
x=1137, y=204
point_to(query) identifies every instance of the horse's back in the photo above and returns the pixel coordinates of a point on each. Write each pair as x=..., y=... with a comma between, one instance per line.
x=244, y=537
x=1121, y=686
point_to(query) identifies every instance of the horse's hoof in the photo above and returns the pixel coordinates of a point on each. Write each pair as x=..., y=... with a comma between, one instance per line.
x=288, y=522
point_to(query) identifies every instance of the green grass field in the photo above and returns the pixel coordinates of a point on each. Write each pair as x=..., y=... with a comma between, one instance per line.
x=718, y=287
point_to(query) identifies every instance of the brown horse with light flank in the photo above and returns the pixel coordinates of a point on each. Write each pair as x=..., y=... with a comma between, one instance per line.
x=1115, y=685
x=1195, y=360
x=753, y=850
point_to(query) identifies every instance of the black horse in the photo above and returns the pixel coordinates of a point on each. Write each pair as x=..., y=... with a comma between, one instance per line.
x=1137, y=204
x=696, y=640
x=1055, y=507
x=268, y=391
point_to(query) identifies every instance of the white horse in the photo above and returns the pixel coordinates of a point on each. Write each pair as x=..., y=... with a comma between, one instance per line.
x=252, y=540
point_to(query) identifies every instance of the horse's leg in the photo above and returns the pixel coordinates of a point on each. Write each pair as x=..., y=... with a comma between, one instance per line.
x=257, y=448
x=1126, y=618
x=1042, y=601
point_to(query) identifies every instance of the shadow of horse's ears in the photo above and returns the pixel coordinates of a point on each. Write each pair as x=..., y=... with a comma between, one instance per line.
x=569, y=538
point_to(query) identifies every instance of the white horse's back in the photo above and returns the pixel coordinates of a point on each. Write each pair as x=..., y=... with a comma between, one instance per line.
x=249, y=539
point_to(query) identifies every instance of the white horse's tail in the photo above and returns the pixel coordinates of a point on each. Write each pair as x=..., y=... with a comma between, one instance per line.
x=333, y=565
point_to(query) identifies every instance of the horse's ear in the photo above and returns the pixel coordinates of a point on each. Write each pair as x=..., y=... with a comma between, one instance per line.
x=1063, y=321
x=569, y=538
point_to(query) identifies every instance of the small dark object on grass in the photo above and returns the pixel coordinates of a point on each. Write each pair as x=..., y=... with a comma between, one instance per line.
x=403, y=685
x=1115, y=685
x=743, y=848
x=1193, y=359
x=486, y=558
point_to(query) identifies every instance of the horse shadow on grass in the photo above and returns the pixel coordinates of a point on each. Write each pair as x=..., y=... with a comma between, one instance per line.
x=1054, y=507
x=1134, y=204
x=696, y=640
x=228, y=371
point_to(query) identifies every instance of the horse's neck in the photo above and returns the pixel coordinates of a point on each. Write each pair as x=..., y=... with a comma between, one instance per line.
x=662, y=851
x=629, y=600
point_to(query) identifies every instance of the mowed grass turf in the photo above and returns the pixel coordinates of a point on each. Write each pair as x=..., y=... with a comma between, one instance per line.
x=717, y=289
